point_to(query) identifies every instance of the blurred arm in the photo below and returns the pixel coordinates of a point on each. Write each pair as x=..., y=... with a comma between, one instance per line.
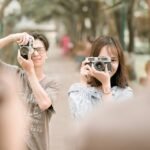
x=19, y=38
x=6, y=40
x=42, y=98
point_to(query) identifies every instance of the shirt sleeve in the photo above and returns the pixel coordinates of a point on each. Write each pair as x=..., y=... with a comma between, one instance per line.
x=125, y=94
x=82, y=99
x=52, y=89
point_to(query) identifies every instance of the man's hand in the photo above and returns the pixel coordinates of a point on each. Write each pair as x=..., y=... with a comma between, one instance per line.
x=21, y=38
x=27, y=65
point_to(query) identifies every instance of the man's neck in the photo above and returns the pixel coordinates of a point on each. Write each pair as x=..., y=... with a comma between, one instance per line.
x=39, y=73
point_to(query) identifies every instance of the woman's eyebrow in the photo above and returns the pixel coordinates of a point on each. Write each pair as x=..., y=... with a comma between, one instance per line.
x=114, y=57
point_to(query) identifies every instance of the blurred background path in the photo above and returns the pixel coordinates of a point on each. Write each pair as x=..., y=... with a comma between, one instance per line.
x=65, y=71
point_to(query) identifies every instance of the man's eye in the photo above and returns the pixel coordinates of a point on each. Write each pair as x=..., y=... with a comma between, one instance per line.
x=38, y=49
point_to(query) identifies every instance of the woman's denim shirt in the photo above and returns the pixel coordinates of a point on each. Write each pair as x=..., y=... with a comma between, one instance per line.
x=82, y=98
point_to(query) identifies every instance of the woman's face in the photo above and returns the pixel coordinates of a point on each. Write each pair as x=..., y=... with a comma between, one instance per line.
x=107, y=51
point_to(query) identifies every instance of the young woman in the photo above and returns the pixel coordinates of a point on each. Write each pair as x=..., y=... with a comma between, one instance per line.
x=100, y=86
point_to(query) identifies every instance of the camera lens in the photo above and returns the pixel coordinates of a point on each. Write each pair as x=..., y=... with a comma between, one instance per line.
x=24, y=52
x=99, y=66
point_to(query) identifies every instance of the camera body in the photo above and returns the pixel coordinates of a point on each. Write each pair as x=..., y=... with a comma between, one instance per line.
x=99, y=63
x=26, y=49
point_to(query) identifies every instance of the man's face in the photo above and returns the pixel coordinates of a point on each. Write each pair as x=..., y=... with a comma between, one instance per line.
x=39, y=55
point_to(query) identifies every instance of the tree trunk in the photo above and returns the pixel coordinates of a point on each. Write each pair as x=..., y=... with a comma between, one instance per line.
x=148, y=2
x=4, y=5
x=130, y=25
x=120, y=15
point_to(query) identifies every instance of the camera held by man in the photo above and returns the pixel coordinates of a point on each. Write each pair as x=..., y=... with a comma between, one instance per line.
x=26, y=49
x=99, y=63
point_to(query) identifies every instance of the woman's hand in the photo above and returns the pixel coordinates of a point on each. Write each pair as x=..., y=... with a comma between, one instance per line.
x=103, y=77
x=26, y=64
x=85, y=72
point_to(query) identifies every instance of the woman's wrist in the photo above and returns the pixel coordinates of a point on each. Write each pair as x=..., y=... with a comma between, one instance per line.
x=106, y=89
x=83, y=81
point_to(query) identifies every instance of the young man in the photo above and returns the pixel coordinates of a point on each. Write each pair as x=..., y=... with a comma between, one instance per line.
x=38, y=91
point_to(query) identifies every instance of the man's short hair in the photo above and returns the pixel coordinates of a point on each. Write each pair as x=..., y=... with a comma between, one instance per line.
x=42, y=38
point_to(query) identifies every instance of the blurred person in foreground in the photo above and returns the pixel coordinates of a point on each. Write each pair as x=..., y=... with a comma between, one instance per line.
x=116, y=126
x=38, y=90
x=102, y=78
x=13, y=123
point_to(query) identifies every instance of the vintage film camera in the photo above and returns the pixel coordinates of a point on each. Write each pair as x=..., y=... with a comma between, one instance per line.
x=99, y=63
x=25, y=49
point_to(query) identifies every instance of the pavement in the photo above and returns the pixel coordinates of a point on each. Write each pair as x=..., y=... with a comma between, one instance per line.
x=65, y=71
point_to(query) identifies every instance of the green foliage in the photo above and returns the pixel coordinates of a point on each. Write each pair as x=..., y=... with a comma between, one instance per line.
x=67, y=10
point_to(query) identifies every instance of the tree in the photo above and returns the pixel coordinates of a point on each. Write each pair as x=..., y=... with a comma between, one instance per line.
x=120, y=15
x=72, y=13
x=131, y=4
x=6, y=24
x=4, y=5
x=148, y=2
